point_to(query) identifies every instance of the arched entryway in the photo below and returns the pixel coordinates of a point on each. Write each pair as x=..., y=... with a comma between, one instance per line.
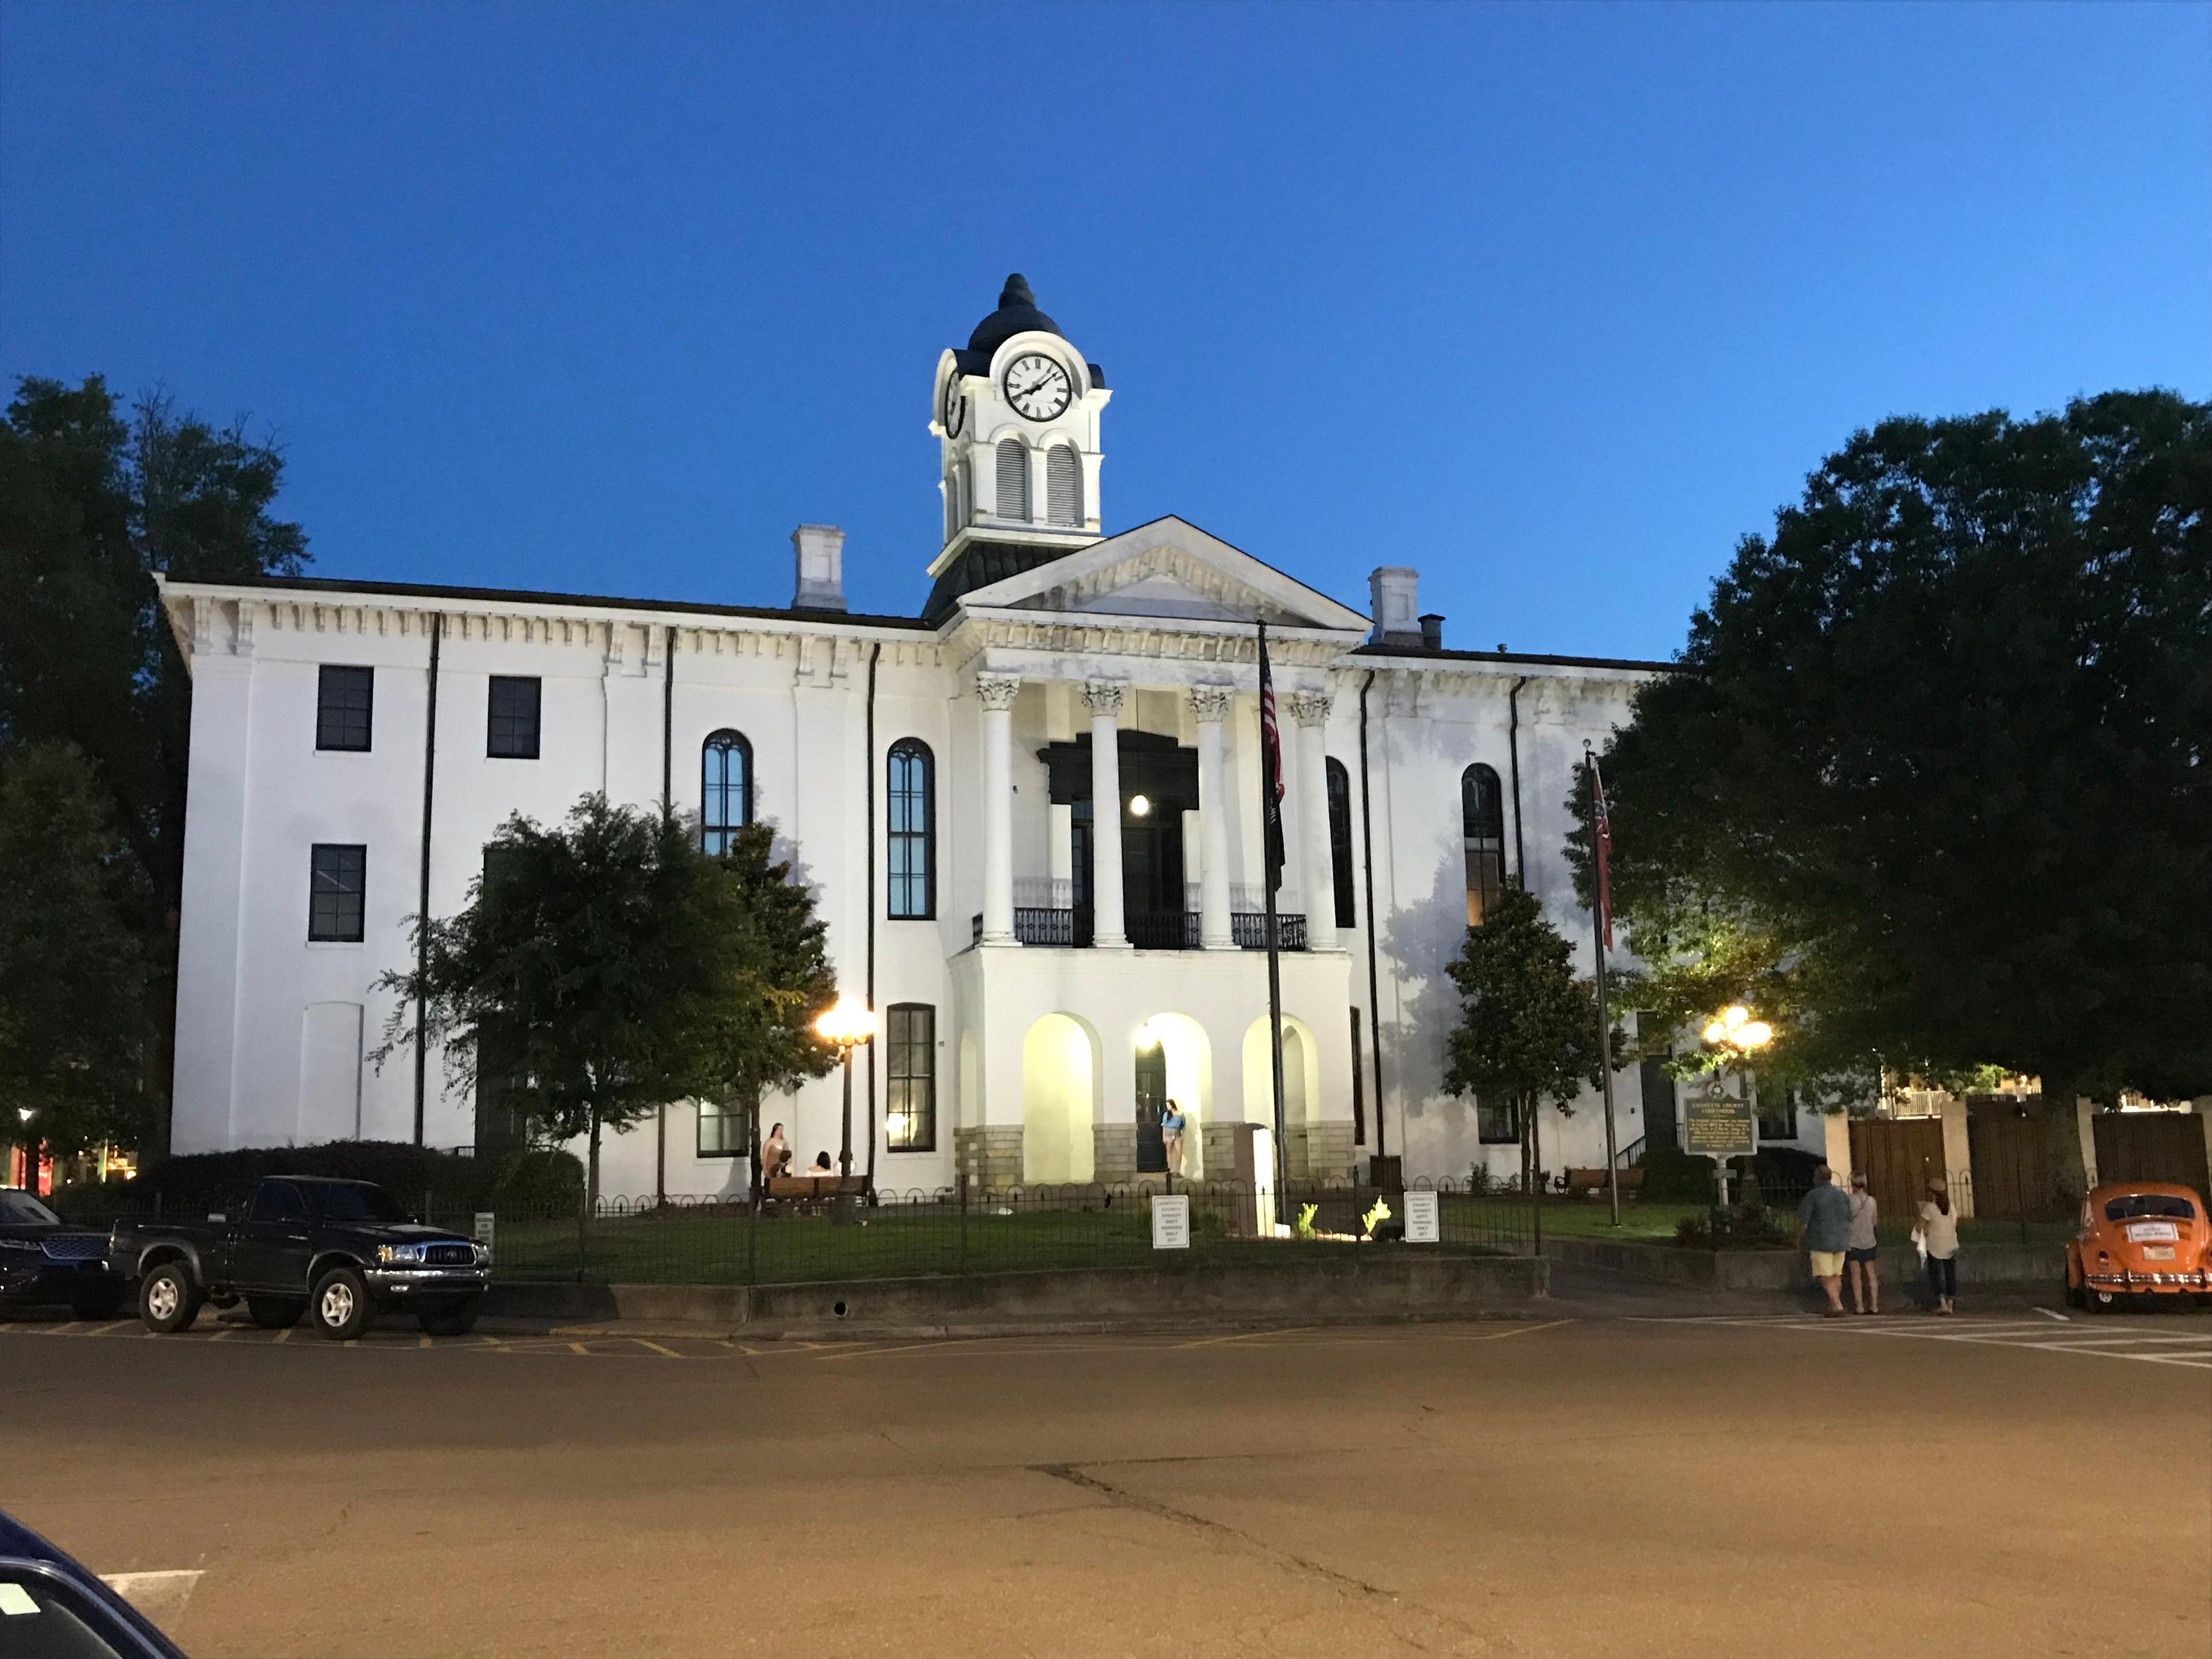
x=1060, y=1100
x=1173, y=1062
x=1301, y=1085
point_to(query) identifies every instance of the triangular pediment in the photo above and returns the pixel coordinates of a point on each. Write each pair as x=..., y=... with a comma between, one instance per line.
x=1168, y=569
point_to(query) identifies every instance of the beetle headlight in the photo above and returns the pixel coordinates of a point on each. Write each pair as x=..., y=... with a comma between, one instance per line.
x=399, y=1253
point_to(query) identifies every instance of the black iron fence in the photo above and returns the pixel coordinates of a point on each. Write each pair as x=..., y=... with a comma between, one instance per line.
x=959, y=1230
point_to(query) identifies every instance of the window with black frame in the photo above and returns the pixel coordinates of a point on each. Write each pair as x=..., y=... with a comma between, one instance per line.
x=1482, y=831
x=910, y=1093
x=1340, y=841
x=722, y=1127
x=1778, y=1115
x=1497, y=1123
x=910, y=825
x=511, y=719
x=726, y=789
x=337, y=886
x=344, y=705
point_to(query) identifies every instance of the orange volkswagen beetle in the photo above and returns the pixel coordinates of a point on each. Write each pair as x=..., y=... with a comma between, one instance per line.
x=2139, y=1238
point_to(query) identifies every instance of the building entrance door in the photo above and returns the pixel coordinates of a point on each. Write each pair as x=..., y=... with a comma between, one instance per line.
x=1151, y=881
x=1151, y=1104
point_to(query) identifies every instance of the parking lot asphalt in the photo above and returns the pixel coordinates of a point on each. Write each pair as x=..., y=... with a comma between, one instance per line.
x=1617, y=1476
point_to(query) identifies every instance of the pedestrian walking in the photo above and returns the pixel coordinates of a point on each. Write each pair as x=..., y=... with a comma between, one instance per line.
x=1824, y=1225
x=1938, y=1235
x=1860, y=1251
x=1172, y=1123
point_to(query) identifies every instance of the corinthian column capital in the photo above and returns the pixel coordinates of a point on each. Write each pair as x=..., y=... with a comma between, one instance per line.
x=997, y=692
x=1210, y=704
x=1308, y=708
x=1104, y=697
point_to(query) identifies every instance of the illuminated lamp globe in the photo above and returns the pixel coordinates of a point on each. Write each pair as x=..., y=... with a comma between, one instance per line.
x=1140, y=806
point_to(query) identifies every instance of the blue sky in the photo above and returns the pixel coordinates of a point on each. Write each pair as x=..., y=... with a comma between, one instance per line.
x=1553, y=303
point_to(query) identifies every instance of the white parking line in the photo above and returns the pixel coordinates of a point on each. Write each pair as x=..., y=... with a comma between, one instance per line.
x=159, y=1595
x=2192, y=1349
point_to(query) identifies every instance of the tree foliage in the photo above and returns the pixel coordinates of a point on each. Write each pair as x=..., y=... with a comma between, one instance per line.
x=93, y=501
x=1932, y=790
x=607, y=966
x=73, y=1014
x=1528, y=1027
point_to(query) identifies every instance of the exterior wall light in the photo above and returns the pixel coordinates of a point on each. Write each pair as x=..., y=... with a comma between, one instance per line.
x=1140, y=806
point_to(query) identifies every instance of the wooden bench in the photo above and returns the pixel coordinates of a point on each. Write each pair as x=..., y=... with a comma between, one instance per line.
x=1580, y=1183
x=812, y=1193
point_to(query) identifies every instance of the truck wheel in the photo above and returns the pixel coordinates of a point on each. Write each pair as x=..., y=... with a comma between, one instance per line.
x=457, y=1319
x=98, y=1304
x=167, y=1298
x=275, y=1313
x=340, y=1309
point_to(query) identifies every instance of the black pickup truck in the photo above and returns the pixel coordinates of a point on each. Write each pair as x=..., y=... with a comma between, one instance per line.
x=335, y=1250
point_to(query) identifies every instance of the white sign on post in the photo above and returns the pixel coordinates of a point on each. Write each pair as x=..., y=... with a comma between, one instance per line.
x=1171, y=1222
x=484, y=1229
x=1421, y=1225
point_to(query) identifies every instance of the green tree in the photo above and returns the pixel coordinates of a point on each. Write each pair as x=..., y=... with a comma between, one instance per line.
x=1528, y=1027
x=73, y=1013
x=608, y=966
x=94, y=501
x=1931, y=788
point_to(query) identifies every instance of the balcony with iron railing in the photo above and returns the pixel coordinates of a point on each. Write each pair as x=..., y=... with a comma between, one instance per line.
x=1069, y=926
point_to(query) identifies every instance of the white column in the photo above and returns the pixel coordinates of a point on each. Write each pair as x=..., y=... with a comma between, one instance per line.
x=1311, y=710
x=1103, y=698
x=996, y=692
x=1210, y=704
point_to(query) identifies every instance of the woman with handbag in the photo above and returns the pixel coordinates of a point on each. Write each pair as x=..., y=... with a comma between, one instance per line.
x=1938, y=1236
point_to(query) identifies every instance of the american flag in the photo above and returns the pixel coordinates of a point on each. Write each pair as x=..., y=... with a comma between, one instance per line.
x=1271, y=769
x=1601, y=839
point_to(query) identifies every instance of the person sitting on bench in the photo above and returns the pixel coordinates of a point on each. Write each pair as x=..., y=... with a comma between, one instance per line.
x=822, y=1165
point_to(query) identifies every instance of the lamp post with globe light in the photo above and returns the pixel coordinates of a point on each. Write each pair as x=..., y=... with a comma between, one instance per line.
x=1737, y=1037
x=847, y=1024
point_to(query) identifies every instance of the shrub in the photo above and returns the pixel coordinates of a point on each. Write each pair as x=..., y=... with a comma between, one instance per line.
x=541, y=1178
x=1674, y=1176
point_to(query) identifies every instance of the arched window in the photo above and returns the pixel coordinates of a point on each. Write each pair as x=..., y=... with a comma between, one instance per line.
x=910, y=818
x=1063, y=485
x=726, y=789
x=1340, y=841
x=1013, y=479
x=1482, y=828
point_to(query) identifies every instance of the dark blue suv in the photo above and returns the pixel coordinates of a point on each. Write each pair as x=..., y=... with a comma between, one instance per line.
x=44, y=1259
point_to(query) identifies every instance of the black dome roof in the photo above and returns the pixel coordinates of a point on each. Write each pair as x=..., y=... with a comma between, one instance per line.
x=1017, y=314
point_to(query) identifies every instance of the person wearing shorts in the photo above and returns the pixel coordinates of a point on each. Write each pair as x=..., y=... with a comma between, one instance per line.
x=1824, y=1225
x=1859, y=1251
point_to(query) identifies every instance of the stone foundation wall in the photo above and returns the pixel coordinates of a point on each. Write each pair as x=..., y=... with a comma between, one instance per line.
x=1328, y=1151
x=990, y=1156
x=1113, y=1153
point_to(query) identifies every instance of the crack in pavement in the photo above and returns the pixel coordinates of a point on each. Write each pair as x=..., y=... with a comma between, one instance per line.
x=1123, y=1497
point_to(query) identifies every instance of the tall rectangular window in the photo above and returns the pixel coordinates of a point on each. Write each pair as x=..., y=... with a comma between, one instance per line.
x=910, y=1102
x=337, y=881
x=722, y=1127
x=909, y=824
x=1778, y=1115
x=1339, y=842
x=343, y=696
x=1358, y=1086
x=1498, y=1123
x=512, y=730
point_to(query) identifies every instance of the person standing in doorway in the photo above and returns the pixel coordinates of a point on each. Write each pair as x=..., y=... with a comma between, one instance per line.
x=1824, y=1223
x=1939, y=1237
x=1171, y=1127
x=1859, y=1250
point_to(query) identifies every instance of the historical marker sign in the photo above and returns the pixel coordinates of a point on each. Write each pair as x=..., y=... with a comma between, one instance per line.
x=1717, y=1125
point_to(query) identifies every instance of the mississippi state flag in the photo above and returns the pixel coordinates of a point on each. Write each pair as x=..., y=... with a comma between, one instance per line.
x=1271, y=770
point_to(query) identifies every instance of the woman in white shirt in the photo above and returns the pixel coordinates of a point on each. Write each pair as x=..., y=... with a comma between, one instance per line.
x=1939, y=1237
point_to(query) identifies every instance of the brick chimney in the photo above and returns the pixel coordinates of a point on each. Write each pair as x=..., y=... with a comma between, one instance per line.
x=1391, y=598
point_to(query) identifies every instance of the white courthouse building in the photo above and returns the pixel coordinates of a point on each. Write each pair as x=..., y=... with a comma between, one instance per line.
x=940, y=781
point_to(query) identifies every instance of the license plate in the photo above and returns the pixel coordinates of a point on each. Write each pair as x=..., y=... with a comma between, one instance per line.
x=2140, y=1231
x=2158, y=1253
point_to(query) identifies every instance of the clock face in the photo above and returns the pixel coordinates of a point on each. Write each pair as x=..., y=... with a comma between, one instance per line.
x=1038, y=386
x=955, y=413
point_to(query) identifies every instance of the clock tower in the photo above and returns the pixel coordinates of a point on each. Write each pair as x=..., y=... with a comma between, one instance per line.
x=1016, y=415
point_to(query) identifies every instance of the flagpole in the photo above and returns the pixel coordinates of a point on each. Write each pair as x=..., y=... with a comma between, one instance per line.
x=1271, y=822
x=1598, y=949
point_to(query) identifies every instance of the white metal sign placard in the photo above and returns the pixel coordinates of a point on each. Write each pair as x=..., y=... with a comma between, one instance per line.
x=1171, y=1222
x=484, y=1228
x=1421, y=1224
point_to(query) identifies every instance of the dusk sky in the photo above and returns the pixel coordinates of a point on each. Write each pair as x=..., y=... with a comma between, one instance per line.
x=1553, y=303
